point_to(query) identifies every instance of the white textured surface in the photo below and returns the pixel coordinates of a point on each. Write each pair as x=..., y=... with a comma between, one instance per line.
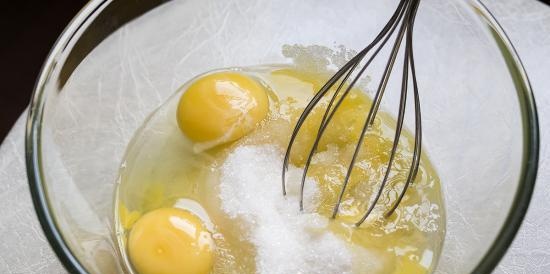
x=24, y=249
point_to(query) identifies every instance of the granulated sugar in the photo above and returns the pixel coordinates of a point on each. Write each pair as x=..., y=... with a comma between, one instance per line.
x=286, y=240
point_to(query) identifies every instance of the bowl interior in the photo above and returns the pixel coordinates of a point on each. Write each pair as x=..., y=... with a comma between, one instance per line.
x=120, y=60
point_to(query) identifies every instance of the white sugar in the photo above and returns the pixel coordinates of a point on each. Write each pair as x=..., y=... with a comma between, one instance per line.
x=286, y=240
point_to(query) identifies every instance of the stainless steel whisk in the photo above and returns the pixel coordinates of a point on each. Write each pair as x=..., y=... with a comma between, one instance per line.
x=403, y=18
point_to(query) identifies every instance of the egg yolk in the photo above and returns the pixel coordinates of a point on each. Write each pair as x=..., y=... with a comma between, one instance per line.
x=221, y=107
x=170, y=241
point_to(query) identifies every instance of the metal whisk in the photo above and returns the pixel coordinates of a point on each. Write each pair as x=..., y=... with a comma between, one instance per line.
x=402, y=19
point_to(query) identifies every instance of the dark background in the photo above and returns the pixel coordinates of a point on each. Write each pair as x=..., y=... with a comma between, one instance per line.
x=29, y=29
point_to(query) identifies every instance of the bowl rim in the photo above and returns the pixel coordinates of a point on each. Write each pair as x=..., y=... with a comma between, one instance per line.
x=487, y=263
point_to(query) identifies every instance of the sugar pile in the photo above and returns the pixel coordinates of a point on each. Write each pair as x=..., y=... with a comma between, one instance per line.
x=286, y=240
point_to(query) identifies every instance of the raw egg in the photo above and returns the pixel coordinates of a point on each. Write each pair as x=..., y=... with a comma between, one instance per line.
x=171, y=241
x=221, y=107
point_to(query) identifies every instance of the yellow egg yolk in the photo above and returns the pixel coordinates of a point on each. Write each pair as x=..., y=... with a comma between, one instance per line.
x=221, y=107
x=170, y=241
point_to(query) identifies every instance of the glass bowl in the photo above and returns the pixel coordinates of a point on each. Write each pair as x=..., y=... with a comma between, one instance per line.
x=118, y=60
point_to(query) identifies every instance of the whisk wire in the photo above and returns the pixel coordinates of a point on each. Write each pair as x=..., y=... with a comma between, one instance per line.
x=399, y=122
x=405, y=15
x=326, y=87
x=306, y=112
x=373, y=110
x=418, y=121
x=345, y=69
x=326, y=120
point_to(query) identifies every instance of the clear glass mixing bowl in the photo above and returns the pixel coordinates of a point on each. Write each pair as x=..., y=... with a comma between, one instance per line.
x=118, y=60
